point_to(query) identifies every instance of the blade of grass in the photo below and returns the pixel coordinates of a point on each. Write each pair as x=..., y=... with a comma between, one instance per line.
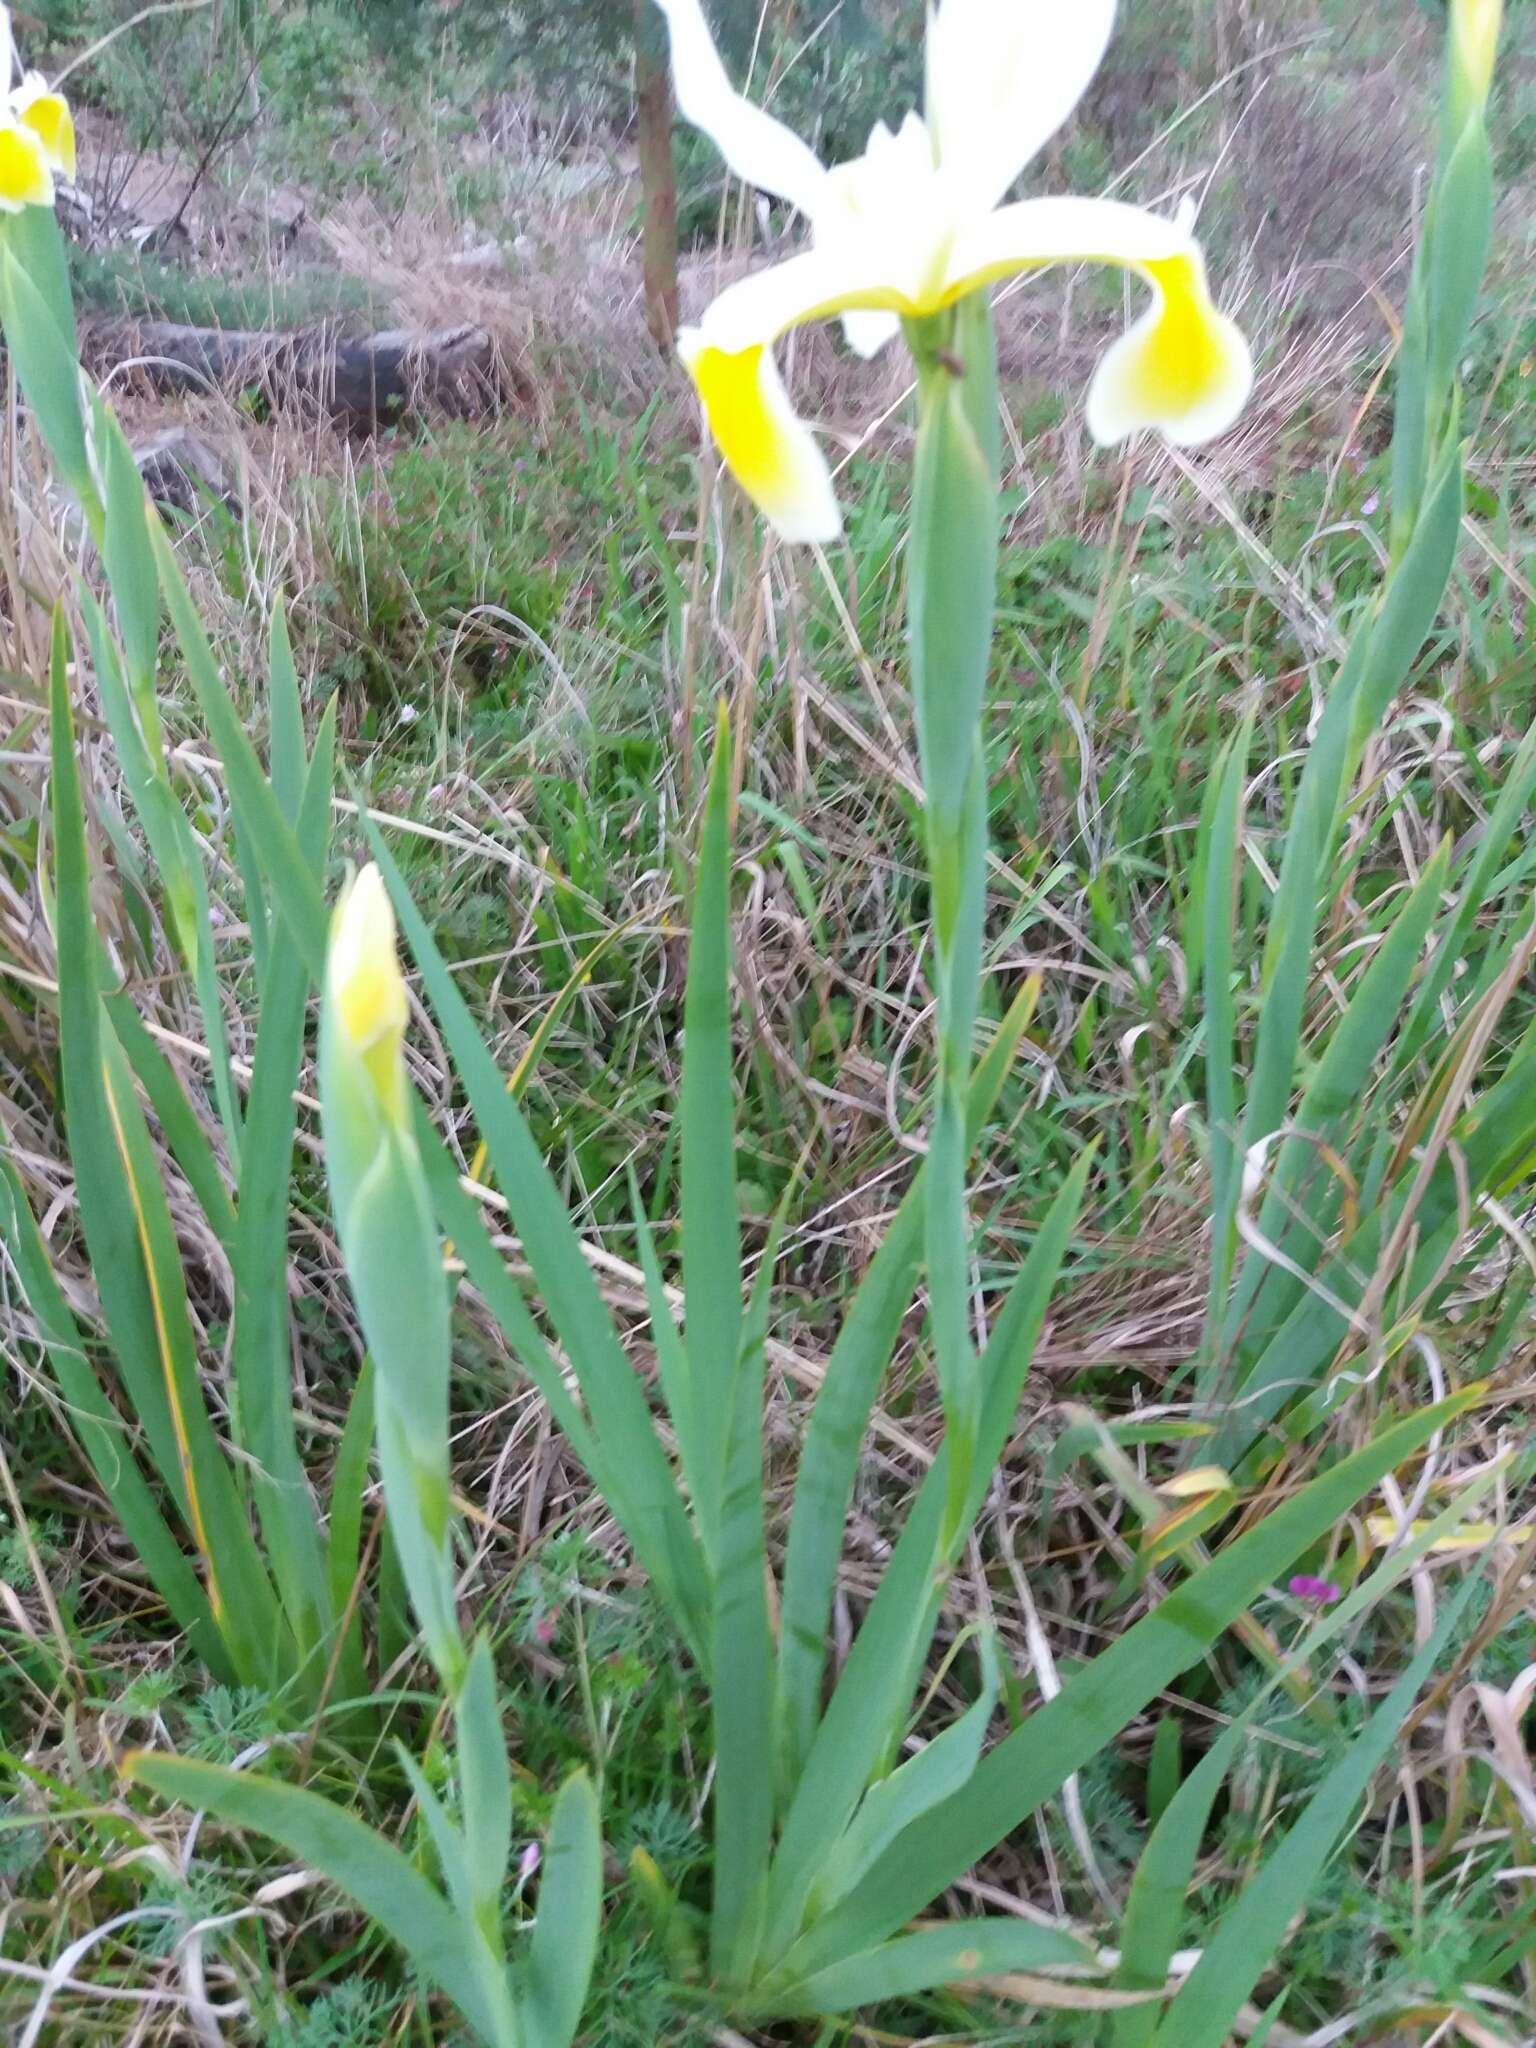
x=564, y=1944
x=1217, y=866
x=875, y=1689
x=356, y=1859
x=239, y=1591
x=175, y=854
x=1339, y=1081
x=135, y=1259
x=834, y=1436
x=1093, y=1707
x=656, y=1522
x=1154, y=1911
x=741, y=1658
x=183, y=1130
x=711, y=1221
x=250, y=787
x=103, y=1433
x=1210, y=1998
x=486, y=1786
x=958, y=1953
x=261, y=1357
x=1377, y=665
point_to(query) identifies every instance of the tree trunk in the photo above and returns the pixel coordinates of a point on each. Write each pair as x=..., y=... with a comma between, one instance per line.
x=658, y=173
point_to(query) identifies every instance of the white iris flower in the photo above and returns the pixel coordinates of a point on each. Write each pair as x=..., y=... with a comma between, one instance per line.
x=916, y=224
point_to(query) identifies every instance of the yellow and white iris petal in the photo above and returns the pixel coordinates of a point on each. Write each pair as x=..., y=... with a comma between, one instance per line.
x=1003, y=75
x=767, y=448
x=25, y=179
x=759, y=149
x=1184, y=368
x=47, y=115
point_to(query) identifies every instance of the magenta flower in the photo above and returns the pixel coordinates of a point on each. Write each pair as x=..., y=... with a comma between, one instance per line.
x=1316, y=1592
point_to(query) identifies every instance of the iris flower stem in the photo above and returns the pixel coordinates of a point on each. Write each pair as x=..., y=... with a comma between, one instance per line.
x=952, y=590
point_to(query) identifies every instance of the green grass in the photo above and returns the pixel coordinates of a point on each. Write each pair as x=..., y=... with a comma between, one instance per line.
x=567, y=776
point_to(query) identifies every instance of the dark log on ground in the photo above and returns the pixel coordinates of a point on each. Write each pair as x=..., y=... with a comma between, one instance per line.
x=361, y=383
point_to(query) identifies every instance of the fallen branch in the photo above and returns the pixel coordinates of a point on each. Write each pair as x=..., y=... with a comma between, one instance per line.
x=361, y=383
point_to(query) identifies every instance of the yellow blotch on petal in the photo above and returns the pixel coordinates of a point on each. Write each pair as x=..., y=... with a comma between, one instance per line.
x=1184, y=368
x=25, y=179
x=767, y=448
x=47, y=115
x=366, y=987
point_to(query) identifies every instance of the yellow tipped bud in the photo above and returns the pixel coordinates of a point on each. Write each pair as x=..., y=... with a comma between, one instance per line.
x=1475, y=26
x=365, y=985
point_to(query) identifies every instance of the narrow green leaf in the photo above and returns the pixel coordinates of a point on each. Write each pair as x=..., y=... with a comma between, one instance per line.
x=1301, y=1203
x=486, y=1784
x=349, y=1483
x=1210, y=1998
x=358, y=1861
x=250, y=787
x=671, y=1353
x=1457, y=252
x=1154, y=1911
x=1379, y=659
x=106, y=1215
x=461, y=1220
x=50, y=377
x=261, y=1350
x=834, y=1436
x=286, y=712
x=1164, y=1766
x=564, y=1944
x=239, y=1590
x=874, y=1693
x=711, y=1222
x=658, y=1527
x=1480, y=882
x=924, y=1781
x=742, y=1661
x=130, y=565
x=1221, y=830
x=34, y=237
x=180, y=1123
x=103, y=1433
x=957, y=1953
x=135, y=1258
x=175, y=854
x=1097, y=1703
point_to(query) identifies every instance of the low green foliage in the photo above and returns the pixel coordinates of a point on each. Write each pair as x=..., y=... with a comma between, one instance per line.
x=789, y=1782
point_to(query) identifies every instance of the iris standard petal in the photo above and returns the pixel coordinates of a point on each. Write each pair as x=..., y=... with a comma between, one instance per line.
x=1184, y=368
x=25, y=179
x=759, y=149
x=768, y=449
x=1003, y=75
x=47, y=115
